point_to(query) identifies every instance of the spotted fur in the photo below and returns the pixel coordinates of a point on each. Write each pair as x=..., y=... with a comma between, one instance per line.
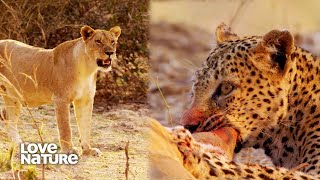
x=203, y=163
x=274, y=98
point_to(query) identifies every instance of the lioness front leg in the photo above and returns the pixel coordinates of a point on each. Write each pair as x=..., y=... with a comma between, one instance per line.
x=62, y=109
x=13, y=108
x=83, y=110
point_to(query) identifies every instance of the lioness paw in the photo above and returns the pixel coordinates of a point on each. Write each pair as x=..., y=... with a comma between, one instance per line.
x=92, y=152
x=72, y=150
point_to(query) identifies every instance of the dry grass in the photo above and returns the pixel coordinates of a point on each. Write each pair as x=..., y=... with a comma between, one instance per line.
x=21, y=17
x=165, y=102
x=5, y=160
x=18, y=91
x=47, y=23
x=13, y=168
x=126, y=150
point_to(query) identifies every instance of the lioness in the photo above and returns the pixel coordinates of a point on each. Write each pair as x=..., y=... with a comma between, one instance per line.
x=66, y=74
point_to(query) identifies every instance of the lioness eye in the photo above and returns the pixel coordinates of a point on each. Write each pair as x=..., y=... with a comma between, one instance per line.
x=98, y=42
x=113, y=42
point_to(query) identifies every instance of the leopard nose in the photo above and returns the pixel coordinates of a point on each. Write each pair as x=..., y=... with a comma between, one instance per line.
x=109, y=53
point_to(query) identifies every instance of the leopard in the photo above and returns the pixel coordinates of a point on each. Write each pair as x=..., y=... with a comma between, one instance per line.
x=67, y=74
x=268, y=90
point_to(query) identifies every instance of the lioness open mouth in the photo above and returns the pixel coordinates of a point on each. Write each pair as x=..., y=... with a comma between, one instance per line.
x=105, y=63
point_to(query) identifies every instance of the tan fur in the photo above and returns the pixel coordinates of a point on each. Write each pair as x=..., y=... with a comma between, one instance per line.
x=165, y=159
x=63, y=75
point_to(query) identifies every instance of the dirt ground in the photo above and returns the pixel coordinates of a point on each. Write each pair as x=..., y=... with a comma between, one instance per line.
x=110, y=131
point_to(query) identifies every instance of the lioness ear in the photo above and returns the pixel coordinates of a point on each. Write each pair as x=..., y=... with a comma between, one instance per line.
x=224, y=33
x=86, y=32
x=278, y=45
x=116, y=31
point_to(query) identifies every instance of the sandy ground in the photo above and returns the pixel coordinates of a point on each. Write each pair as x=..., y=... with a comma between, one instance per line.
x=110, y=131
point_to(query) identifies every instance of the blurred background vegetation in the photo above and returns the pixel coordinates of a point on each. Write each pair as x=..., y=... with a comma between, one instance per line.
x=47, y=23
x=246, y=17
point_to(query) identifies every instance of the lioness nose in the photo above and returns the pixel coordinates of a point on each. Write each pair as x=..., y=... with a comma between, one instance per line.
x=109, y=53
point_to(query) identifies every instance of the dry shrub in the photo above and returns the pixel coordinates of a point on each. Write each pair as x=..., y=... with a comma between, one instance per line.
x=47, y=23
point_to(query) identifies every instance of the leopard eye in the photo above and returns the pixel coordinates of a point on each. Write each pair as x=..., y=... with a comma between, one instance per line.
x=98, y=42
x=226, y=88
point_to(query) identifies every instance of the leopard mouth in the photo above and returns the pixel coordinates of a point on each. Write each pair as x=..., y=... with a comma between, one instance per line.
x=212, y=124
x=104, y=63
x=217, y=122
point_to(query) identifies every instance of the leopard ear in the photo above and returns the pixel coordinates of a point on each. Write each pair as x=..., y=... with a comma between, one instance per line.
x=86, y=32
x=278, y=45
x=116, y=31
x=224, y=33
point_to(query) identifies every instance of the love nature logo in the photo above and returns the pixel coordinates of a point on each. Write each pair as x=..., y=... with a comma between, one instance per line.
x=37, y=153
